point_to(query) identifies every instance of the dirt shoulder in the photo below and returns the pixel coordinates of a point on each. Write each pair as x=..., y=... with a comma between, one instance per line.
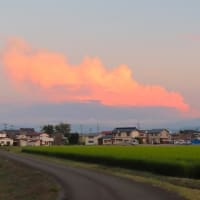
x=18, y=181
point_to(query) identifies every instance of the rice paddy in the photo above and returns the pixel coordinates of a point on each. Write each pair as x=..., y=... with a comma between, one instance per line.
x=180, y=161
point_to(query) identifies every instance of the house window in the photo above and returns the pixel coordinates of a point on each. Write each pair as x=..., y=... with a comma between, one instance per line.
x=128, y=134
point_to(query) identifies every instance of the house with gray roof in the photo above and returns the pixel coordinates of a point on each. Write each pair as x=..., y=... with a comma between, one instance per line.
x=158, y=136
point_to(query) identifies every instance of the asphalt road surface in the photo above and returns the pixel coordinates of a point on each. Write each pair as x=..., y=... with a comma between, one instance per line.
x=85, y=184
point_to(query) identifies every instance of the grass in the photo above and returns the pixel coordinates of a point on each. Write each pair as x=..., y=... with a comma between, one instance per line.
x=20, y=182
x=179, y=161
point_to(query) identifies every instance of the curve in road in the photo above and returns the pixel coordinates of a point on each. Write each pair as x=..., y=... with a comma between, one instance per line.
x=84, y=184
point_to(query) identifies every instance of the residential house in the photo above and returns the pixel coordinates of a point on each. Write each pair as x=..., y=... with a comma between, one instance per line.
x=33, y=139
x=11, y=133
x=81, y=139
x=4, y=140
x=158, y=136
x=46, y=140
x=92, y=139
x=106, y=138
x=142, y=137
x=125, y=135
x=186, y=137
x=20, y=140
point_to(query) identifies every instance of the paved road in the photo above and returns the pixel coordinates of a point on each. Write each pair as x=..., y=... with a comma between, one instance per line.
x=84, y=184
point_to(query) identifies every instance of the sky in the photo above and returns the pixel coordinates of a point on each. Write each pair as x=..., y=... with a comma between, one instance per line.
x=100, y=63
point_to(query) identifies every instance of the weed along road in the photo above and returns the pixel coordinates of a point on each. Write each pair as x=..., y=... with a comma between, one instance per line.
x=84, y=184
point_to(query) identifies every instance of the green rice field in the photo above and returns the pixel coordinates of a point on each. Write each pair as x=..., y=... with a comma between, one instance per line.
x=179, y=161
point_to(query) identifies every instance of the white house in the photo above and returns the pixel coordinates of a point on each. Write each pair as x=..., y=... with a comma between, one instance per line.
x=4, y=140
x=3, y=134
x=39, y=139
x=92, y=139
x=46, y=140
x=34, y=139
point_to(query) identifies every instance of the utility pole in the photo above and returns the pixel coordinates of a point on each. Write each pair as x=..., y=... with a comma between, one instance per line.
x=11, y=127
x=98, y=128
x=81, y=129
x=138, y=125
x=5, y=126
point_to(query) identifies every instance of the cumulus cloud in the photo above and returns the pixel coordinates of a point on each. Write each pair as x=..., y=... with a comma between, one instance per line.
x=49, y=76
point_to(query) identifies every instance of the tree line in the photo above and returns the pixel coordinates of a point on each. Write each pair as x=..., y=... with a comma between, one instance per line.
x=61, y=128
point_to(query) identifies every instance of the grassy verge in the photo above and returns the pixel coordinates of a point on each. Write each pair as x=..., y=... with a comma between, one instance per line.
x=20, y=182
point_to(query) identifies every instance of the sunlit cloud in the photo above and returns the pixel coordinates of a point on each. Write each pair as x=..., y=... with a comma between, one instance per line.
x=49, y=76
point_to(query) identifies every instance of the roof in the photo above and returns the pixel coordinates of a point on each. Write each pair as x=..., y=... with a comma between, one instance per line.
x=107, y=137
x=106, y=132
x=124, y=129
x=33, y=134
x=11, y=133
x=30, y=130
x=156, y=131
x=189, y=131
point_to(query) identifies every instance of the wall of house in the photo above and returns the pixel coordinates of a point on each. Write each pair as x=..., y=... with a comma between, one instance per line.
x=3, y=135
x=92, y=140
x=22, y=143
x=135, y=134
x=6, y=142
x=33, y=143
x=82, y=139
x=153, y=138
x=45, y=140
x=125, y=137
x=164, y=134
x=159, y=138
x=107, y=141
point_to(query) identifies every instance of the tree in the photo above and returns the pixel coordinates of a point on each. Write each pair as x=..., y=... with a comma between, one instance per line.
x=49, y=129
x=74, y=138
x=63, y=128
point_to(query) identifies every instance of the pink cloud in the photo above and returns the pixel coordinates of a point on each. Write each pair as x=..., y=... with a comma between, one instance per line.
x=48, y=76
